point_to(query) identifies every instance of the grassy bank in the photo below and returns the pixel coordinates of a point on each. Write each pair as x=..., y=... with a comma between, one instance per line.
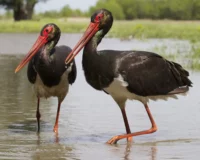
x=189, y=30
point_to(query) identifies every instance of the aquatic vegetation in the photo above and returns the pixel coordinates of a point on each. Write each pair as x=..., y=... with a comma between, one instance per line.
x=189, y=59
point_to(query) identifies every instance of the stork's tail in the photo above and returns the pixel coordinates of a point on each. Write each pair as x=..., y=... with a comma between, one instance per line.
x=180, y=90
x=182, y=79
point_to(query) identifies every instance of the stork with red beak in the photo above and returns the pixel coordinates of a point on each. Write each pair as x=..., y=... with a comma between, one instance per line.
x=134, y=75
x=46, y=68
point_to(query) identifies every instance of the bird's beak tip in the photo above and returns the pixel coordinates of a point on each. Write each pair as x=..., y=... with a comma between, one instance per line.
x=16, y=70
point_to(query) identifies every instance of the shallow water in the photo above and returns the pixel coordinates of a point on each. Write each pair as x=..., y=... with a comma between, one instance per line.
x=89, y=117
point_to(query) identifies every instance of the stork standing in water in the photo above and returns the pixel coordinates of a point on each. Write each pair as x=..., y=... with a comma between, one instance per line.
x=135, y=75
x=46, y=69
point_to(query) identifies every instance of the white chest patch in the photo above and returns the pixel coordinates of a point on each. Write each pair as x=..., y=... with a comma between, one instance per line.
x=118, y=90
x=59, y=90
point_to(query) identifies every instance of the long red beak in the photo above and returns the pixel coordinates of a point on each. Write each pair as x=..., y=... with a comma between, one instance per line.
x=37, y=45
x=91, y=30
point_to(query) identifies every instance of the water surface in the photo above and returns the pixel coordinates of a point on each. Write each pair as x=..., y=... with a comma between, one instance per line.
x=89, y=117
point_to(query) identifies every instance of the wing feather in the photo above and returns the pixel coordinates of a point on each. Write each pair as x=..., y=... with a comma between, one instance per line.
x=149, y=74
x=31, y=73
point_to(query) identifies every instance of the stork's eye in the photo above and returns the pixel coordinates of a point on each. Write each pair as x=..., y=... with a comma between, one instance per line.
x=47, y=30
x=99, y=17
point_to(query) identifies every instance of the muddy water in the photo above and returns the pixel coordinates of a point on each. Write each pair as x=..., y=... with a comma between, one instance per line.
x=89, y=117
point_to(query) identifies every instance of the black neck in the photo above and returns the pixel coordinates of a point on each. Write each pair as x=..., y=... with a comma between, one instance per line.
x=46, y=51
x=95, y=66
x=91, y=46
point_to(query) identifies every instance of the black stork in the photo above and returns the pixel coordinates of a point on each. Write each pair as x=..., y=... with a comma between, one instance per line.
x=137, y=75
x=46, y=69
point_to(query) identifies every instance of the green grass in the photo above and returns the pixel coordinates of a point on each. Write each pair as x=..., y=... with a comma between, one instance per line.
x=141, y=29
x=9, y=26
x=189, y=30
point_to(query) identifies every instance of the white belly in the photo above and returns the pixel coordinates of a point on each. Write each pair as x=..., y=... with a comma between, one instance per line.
x=118, y=90
x=59, y=90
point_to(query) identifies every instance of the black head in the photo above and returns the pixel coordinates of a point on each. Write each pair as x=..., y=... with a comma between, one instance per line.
x=49, y=35
x=51, y=31
x=101, y=22
x=104, y=18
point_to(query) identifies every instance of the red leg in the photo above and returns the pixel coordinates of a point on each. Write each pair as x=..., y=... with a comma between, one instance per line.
x=151, y=130
x=57, y=118
x=38, y=114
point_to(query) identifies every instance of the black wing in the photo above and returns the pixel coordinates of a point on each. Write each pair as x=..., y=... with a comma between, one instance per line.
x=73, y=73
x=149, y=74
x=61, y=54
x=51, y=70
x=31, y=73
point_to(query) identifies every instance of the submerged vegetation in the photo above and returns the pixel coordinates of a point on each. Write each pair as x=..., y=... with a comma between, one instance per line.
x=189, y=58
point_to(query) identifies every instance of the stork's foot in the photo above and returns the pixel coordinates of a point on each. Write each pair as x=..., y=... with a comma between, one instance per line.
x=115, y=139
x=55, y=129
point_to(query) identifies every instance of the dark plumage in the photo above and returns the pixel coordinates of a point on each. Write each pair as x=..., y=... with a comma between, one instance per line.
x=51, y=72
x=146, y=73
x=138, y=75
x=46, y=69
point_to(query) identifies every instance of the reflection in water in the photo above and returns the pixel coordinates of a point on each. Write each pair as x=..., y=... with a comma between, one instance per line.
x=132, y=151
x=57, y=139
x=153, y=152
x=51, y=151
x=18, y=106
x=28, y=126
x=17, y=99
x=38, y=138
x=127, y=151
x=23, y=126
